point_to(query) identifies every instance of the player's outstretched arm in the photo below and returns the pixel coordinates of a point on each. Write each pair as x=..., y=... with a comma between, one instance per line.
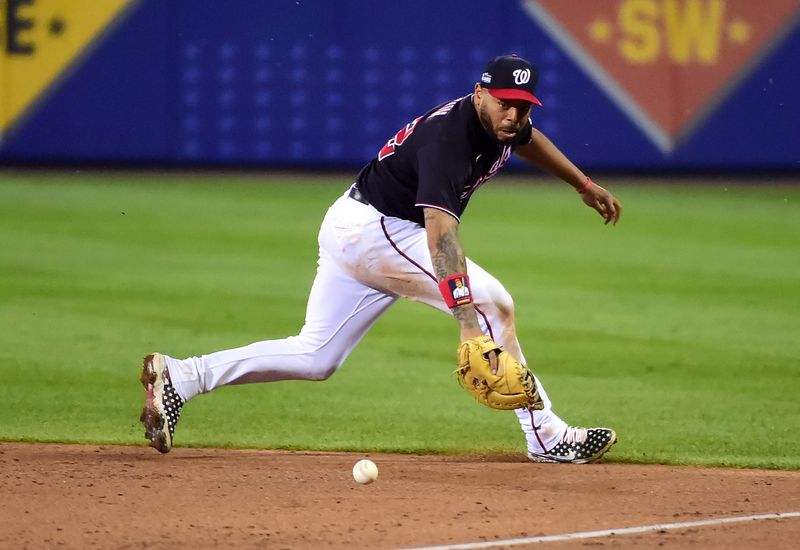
x=448, y=260
x=543, y=154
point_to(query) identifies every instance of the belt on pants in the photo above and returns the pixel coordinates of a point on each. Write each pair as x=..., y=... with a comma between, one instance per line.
x=356, y=195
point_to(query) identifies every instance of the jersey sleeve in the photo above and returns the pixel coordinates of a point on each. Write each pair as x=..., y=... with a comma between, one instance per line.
x=443, y=173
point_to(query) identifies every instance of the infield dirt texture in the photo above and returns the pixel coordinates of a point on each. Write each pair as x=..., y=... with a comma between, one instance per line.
x=123, y=497
x=679, y=328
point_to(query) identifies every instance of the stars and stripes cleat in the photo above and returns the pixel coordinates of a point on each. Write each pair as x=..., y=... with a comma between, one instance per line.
x=162, y=407
x=578, y=446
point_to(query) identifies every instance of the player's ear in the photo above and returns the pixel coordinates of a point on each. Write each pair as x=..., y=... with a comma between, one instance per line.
x=478, y=91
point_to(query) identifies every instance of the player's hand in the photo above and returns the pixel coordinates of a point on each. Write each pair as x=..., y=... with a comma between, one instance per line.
x=468, y=333
x=604, y=202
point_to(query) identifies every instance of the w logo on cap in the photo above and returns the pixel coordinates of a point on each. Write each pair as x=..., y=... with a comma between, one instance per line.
x=522, y=76
x=512, y=78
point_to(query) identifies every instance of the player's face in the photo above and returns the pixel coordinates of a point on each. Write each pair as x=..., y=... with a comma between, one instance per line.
x=501, y=118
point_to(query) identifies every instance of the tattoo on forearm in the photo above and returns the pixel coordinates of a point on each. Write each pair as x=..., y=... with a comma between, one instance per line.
x=448, y=258
x=466, y=316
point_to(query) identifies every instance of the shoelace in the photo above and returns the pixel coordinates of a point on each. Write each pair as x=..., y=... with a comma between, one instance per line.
x=575, y=435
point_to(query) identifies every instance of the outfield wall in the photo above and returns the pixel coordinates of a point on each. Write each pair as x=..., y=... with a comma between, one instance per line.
x=626, y=84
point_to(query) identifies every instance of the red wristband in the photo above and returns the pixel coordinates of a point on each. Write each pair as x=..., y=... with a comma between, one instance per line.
x=455, y=290
x=586, y=185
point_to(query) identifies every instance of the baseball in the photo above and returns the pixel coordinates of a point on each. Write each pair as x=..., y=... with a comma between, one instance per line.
x=365, y=471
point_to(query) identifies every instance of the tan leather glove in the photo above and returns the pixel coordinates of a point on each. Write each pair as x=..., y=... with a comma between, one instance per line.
x=512, y=387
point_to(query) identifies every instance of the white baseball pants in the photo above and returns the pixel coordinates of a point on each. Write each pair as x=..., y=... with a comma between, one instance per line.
x=366, y=262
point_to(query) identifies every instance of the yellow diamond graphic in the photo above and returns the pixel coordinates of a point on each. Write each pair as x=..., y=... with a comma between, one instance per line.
x=41, y=39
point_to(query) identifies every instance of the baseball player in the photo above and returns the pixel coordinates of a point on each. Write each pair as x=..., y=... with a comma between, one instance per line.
x=393, y=234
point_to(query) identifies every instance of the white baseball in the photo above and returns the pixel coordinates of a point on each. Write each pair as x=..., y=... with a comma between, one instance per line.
x=365, y=471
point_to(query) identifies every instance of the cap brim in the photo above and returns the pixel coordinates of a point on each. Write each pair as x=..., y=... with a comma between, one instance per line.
x=514, y=93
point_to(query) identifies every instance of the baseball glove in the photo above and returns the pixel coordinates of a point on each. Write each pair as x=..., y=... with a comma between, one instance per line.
x=513, y=387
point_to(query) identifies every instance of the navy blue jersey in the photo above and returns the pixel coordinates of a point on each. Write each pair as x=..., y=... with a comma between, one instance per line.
x=437, y=161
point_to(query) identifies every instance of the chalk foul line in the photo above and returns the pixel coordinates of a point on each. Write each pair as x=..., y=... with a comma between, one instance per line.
x=609, y=532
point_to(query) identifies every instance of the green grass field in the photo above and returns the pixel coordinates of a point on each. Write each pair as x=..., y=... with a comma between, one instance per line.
x=680, y=327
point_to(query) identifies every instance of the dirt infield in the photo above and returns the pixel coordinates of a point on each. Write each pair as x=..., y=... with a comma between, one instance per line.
x=132, y=497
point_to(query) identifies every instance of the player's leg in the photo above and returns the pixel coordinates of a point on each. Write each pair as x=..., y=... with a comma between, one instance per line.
x=548, y=437
x=339, y=312
x=544, y=430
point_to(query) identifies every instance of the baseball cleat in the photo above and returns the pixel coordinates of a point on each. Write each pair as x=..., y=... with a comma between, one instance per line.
x=162, y=407
x=578, y=446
